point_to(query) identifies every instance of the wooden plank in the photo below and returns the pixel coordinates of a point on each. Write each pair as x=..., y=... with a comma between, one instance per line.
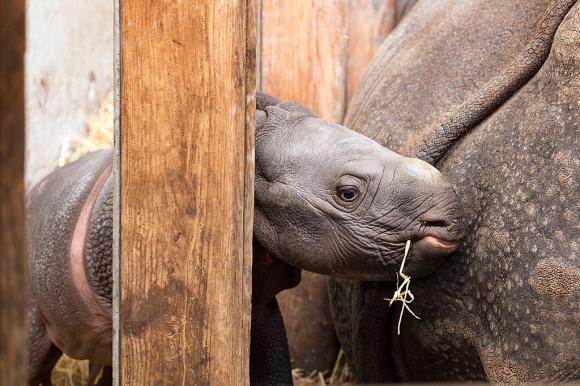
x=13, y=283
x=187, y=105
x=303, y=56
x=316, y=52
x=369, y=22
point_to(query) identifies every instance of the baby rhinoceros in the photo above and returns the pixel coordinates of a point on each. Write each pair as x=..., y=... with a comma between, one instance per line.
x=332, y=201
x=327, y=200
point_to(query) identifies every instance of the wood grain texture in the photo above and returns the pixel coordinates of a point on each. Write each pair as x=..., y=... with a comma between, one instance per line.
x=369, y=22
x=13, y=277
x=303, y=57
x=187, y=105
x=317, y=51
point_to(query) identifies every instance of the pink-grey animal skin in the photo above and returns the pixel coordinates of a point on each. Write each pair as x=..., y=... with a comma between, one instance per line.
x=326, y=199
x=489, y=92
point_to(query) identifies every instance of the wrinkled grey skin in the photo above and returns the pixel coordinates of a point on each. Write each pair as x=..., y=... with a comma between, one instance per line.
x=60, y=318
x=304, y=165
x=506, y=306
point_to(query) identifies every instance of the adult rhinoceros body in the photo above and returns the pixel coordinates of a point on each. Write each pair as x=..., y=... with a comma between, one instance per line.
x=506, y=306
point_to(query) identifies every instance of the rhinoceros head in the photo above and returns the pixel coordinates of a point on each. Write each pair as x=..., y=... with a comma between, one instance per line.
x=332, y=201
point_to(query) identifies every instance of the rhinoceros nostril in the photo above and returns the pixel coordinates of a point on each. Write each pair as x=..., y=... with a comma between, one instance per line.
x=436, y=223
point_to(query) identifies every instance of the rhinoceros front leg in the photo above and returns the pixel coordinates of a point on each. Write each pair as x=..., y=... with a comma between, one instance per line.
x=269, y=356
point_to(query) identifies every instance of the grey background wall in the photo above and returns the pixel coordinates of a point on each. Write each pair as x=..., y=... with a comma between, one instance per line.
x=69, y=71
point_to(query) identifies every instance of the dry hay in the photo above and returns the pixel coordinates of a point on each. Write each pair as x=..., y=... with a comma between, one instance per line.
x=98, y=135
x=70, y=372
x=340, y=375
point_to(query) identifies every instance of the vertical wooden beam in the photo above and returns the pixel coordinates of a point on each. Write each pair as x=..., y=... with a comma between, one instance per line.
x=369, y=22
x=187, y=105
x=317, y=51
x=304, y=47
x=13, y=283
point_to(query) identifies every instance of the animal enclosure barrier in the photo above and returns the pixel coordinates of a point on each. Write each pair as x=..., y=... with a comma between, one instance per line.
x=12, y=260
x=185, y=87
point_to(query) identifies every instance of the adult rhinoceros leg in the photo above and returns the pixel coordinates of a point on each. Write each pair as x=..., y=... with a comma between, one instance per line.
x=362, y=323
x=269, y=357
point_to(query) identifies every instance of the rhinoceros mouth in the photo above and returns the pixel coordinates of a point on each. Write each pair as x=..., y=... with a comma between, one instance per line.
x=430, y=251
x=437, y=242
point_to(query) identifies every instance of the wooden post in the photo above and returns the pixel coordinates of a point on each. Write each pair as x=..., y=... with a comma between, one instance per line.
x=13, y=283
x=304, y=53
x=317, y=51
x=186, y=92
x=369, y=22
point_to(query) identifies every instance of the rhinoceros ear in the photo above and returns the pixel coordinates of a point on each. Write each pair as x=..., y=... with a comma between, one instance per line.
x=285, y=111
x=263, y=101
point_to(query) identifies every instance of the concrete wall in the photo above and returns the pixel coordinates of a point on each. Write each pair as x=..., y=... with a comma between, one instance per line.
x=69, y=67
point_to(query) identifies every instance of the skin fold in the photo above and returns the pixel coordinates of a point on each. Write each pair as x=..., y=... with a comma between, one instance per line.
x=327, y=200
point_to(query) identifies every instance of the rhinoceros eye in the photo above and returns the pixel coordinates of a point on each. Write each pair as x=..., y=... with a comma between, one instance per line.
x=348, y=193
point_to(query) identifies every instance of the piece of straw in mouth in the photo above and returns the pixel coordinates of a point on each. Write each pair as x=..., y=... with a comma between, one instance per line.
x=403, y=294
